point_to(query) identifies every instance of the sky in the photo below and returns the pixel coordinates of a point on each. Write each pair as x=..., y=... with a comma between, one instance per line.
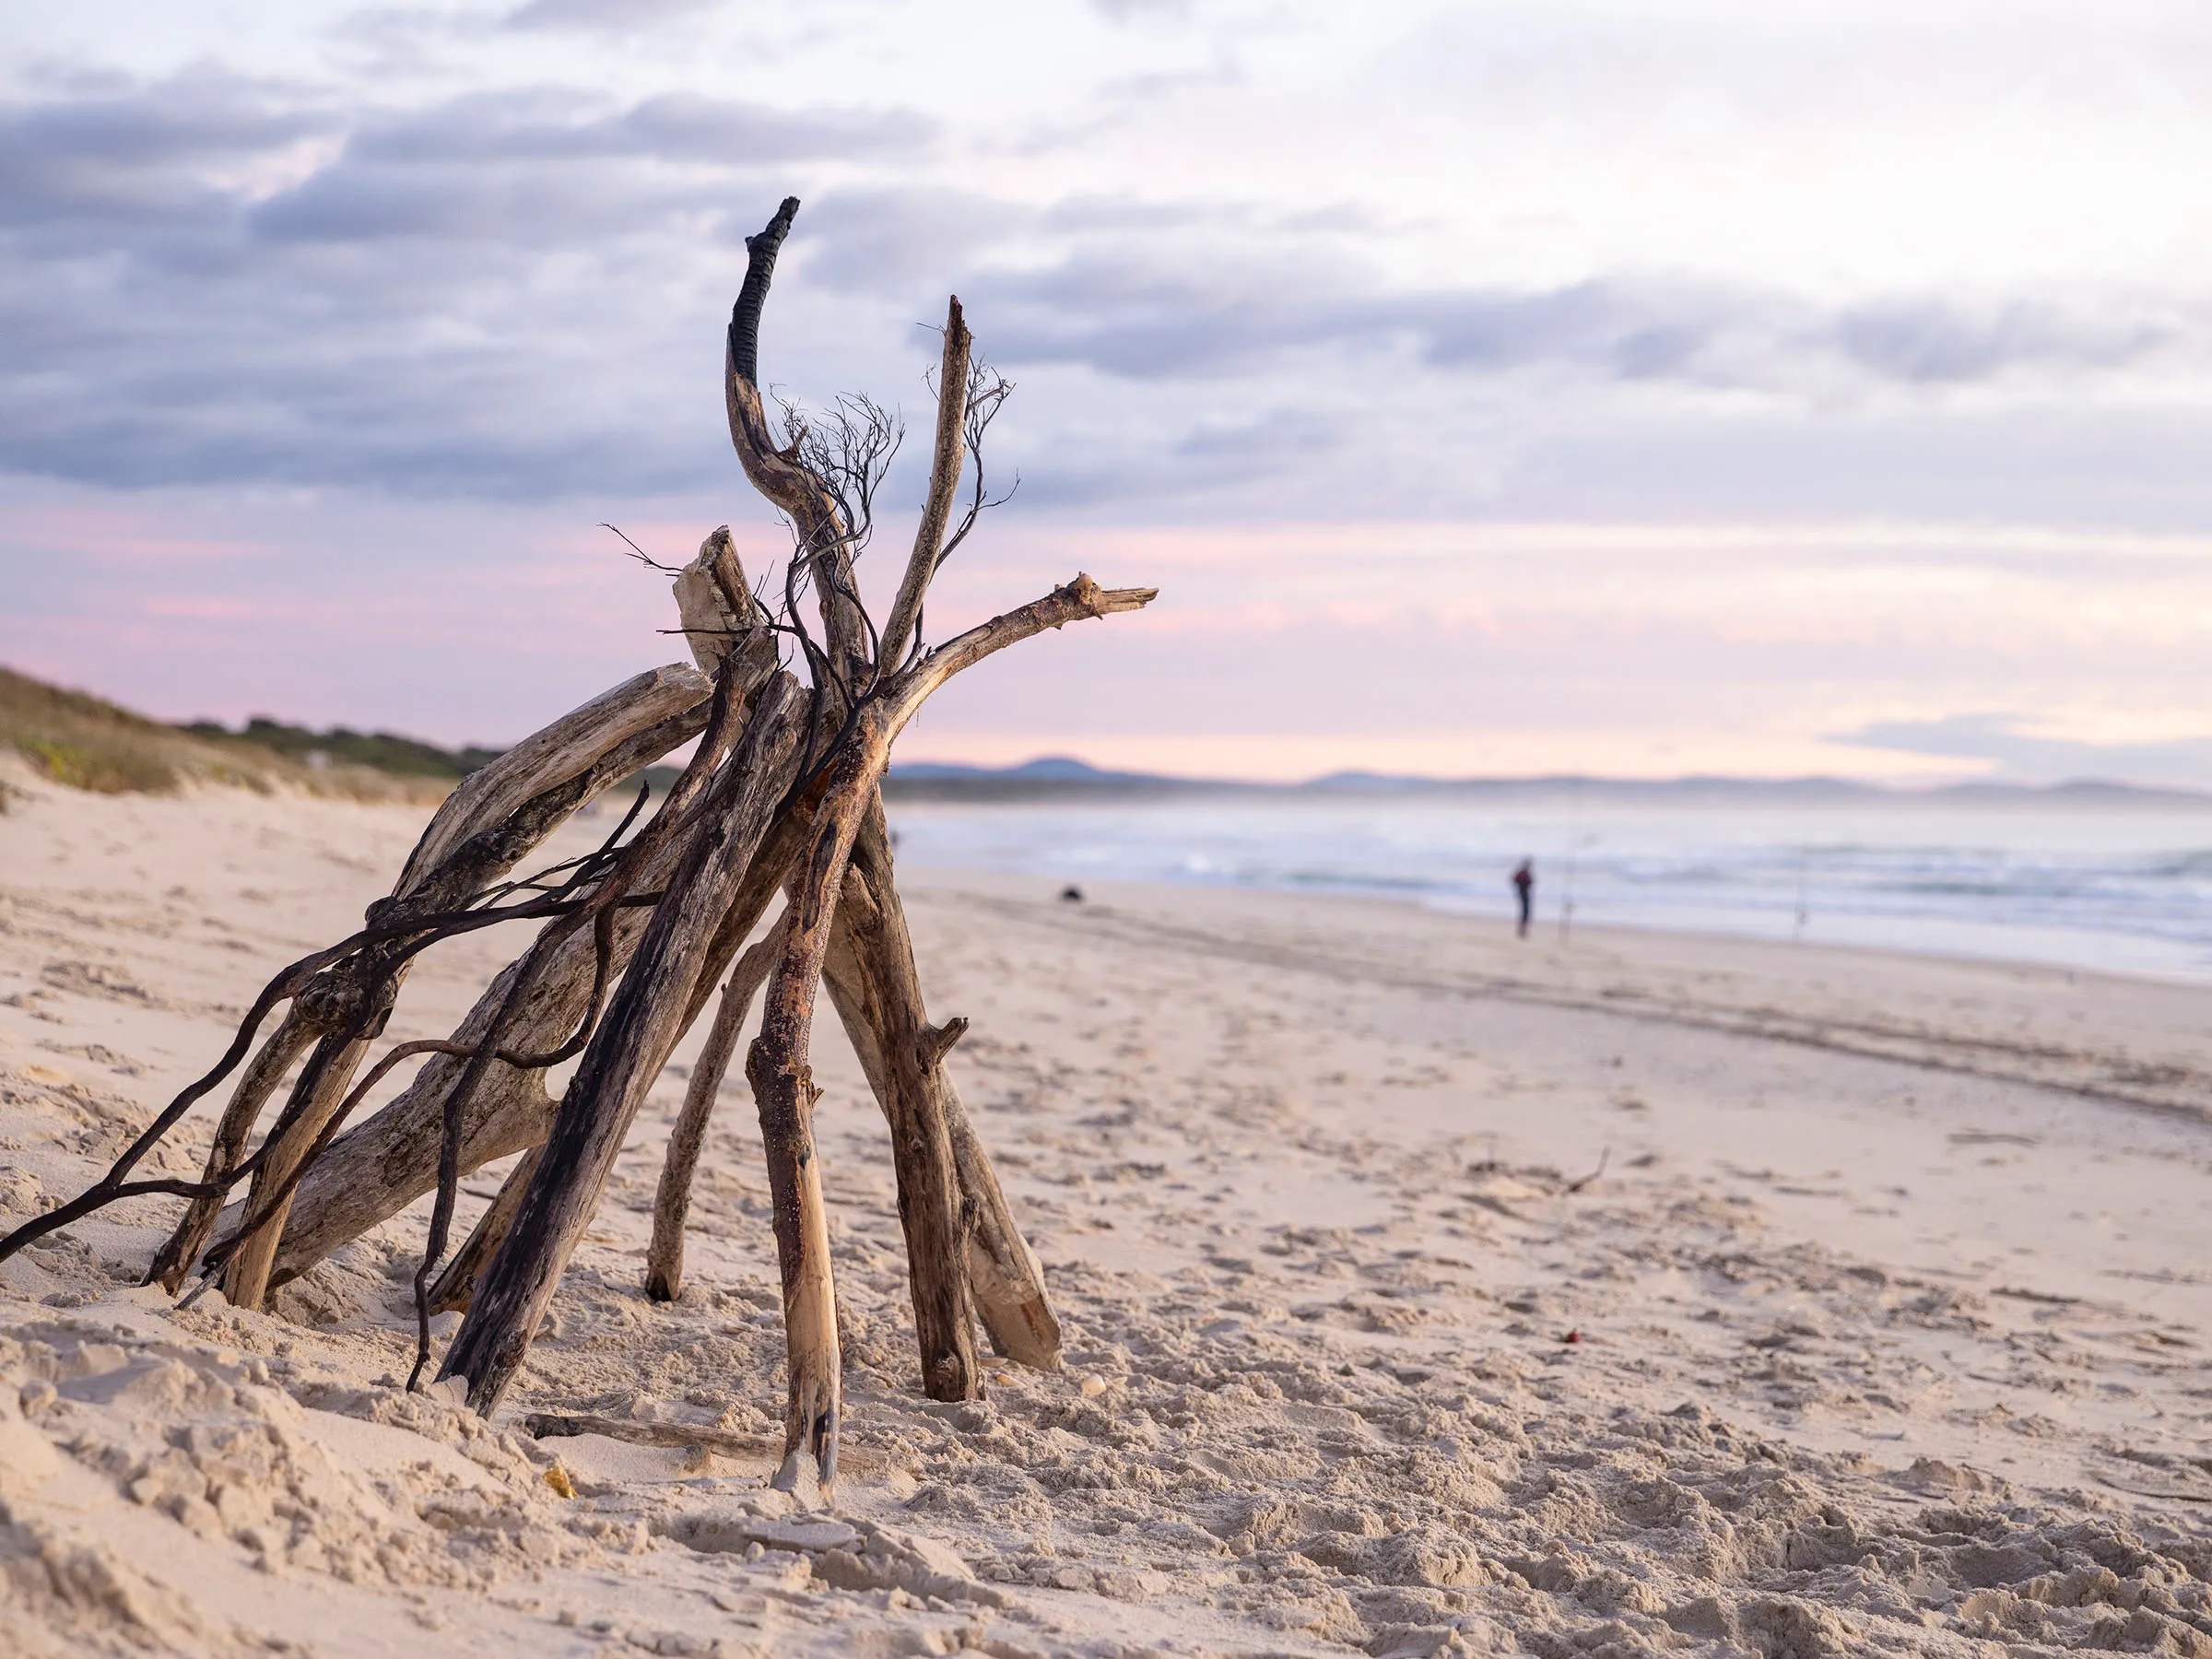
x=1759, y=387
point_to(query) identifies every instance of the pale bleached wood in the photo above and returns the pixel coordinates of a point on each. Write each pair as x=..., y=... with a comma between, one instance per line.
x=457, y=1283
x=777, y=1064
x=1003, y=1272
x=865, y=975
x=877, y=992
x=784, y=1093
x=546, y=758
x=943, y=484
x=627, y=1052
x=327, y=1080
x=376, y=1169
x=359, y=995
x=672, y=1202
x=717, y=609
x=688, y=824
x=569, y=762
x=178, y=1254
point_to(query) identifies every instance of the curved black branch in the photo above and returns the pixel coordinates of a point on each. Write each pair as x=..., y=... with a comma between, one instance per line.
x=759, y=271
x=427, y=931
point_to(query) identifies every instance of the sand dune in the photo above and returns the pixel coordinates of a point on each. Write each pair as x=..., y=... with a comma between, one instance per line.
x=1880, y=1331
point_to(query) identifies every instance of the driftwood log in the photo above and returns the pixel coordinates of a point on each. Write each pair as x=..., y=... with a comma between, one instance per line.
x=485, y=827
x=877, y=994
x=782, y=795
x=625, y=1054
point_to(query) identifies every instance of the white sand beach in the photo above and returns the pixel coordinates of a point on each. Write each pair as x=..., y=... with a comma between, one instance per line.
x=1424, y=1291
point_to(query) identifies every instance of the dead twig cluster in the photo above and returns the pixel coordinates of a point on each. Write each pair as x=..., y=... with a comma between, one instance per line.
x=781, y=796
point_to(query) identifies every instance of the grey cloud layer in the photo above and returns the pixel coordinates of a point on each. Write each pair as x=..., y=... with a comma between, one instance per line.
x=2021, y=756
x=215, y=281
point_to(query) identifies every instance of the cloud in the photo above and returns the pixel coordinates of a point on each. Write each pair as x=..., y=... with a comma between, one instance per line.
x=2022, y=757
x=1131, y=11
x=602, y=17
x=211, y=280
x=219, y=280
x=1931, y=341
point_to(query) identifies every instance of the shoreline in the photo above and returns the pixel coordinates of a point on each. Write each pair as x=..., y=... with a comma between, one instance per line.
x=1542, y=971
x=1677, y=869
x=1543, y=930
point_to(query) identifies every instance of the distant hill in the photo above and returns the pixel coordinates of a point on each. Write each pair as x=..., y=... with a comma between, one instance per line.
x=1055, y=775
x=1059, y=777
x=87, y=742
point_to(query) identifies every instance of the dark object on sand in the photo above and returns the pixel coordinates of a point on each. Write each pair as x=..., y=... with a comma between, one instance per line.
x=1071, y=893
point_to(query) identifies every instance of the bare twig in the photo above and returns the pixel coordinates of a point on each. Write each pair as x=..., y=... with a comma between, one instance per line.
x=1604, y=1157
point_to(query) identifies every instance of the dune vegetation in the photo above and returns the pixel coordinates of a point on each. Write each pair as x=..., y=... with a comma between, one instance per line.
x=85, y=741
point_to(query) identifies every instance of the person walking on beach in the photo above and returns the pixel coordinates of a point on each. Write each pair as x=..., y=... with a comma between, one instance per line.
x=1524, y=887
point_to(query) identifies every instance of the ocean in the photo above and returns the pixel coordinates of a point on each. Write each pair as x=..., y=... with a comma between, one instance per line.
x=2119, y=889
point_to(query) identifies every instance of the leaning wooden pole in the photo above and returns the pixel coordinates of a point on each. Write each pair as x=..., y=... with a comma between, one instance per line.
x=492, y=820
x=877, y=989
x=782, y=1084
x=783, y=1092
x=256, y=1084
x=1002, y=1271
x=457, y=1285
x=874, y=987
x=627, y=1052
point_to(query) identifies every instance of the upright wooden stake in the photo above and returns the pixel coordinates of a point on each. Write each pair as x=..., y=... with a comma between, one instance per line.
x=1004, y=1283
x=870, y=970
x=784, y=1091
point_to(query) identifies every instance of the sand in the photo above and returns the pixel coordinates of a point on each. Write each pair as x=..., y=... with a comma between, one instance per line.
x=1425, y=1291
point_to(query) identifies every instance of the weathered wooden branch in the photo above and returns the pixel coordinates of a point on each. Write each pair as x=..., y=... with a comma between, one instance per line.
x=383, y=1165
x=256, y=1084
x=688, y=819
x=824, y=538
x=548, y=1425
x=776, y=1064
x=1002, y=1271
x=482, y=830
x=457, y=1283
x=569, y=746
x=782, y=793
x=627, y=1052
x=326, y=1081
x=784, y=1091
x=873, y=985
x=719, y=613
x=371, y=1172
x=672, y=1203
x=938, y=1041
x=943, y=484
x=876, y=991
x=334, y=1193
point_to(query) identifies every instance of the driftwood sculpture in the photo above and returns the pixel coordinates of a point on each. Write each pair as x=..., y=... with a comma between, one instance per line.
x=780, y=798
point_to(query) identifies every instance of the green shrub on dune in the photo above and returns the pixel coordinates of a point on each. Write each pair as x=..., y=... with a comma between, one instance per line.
x=85, y=741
